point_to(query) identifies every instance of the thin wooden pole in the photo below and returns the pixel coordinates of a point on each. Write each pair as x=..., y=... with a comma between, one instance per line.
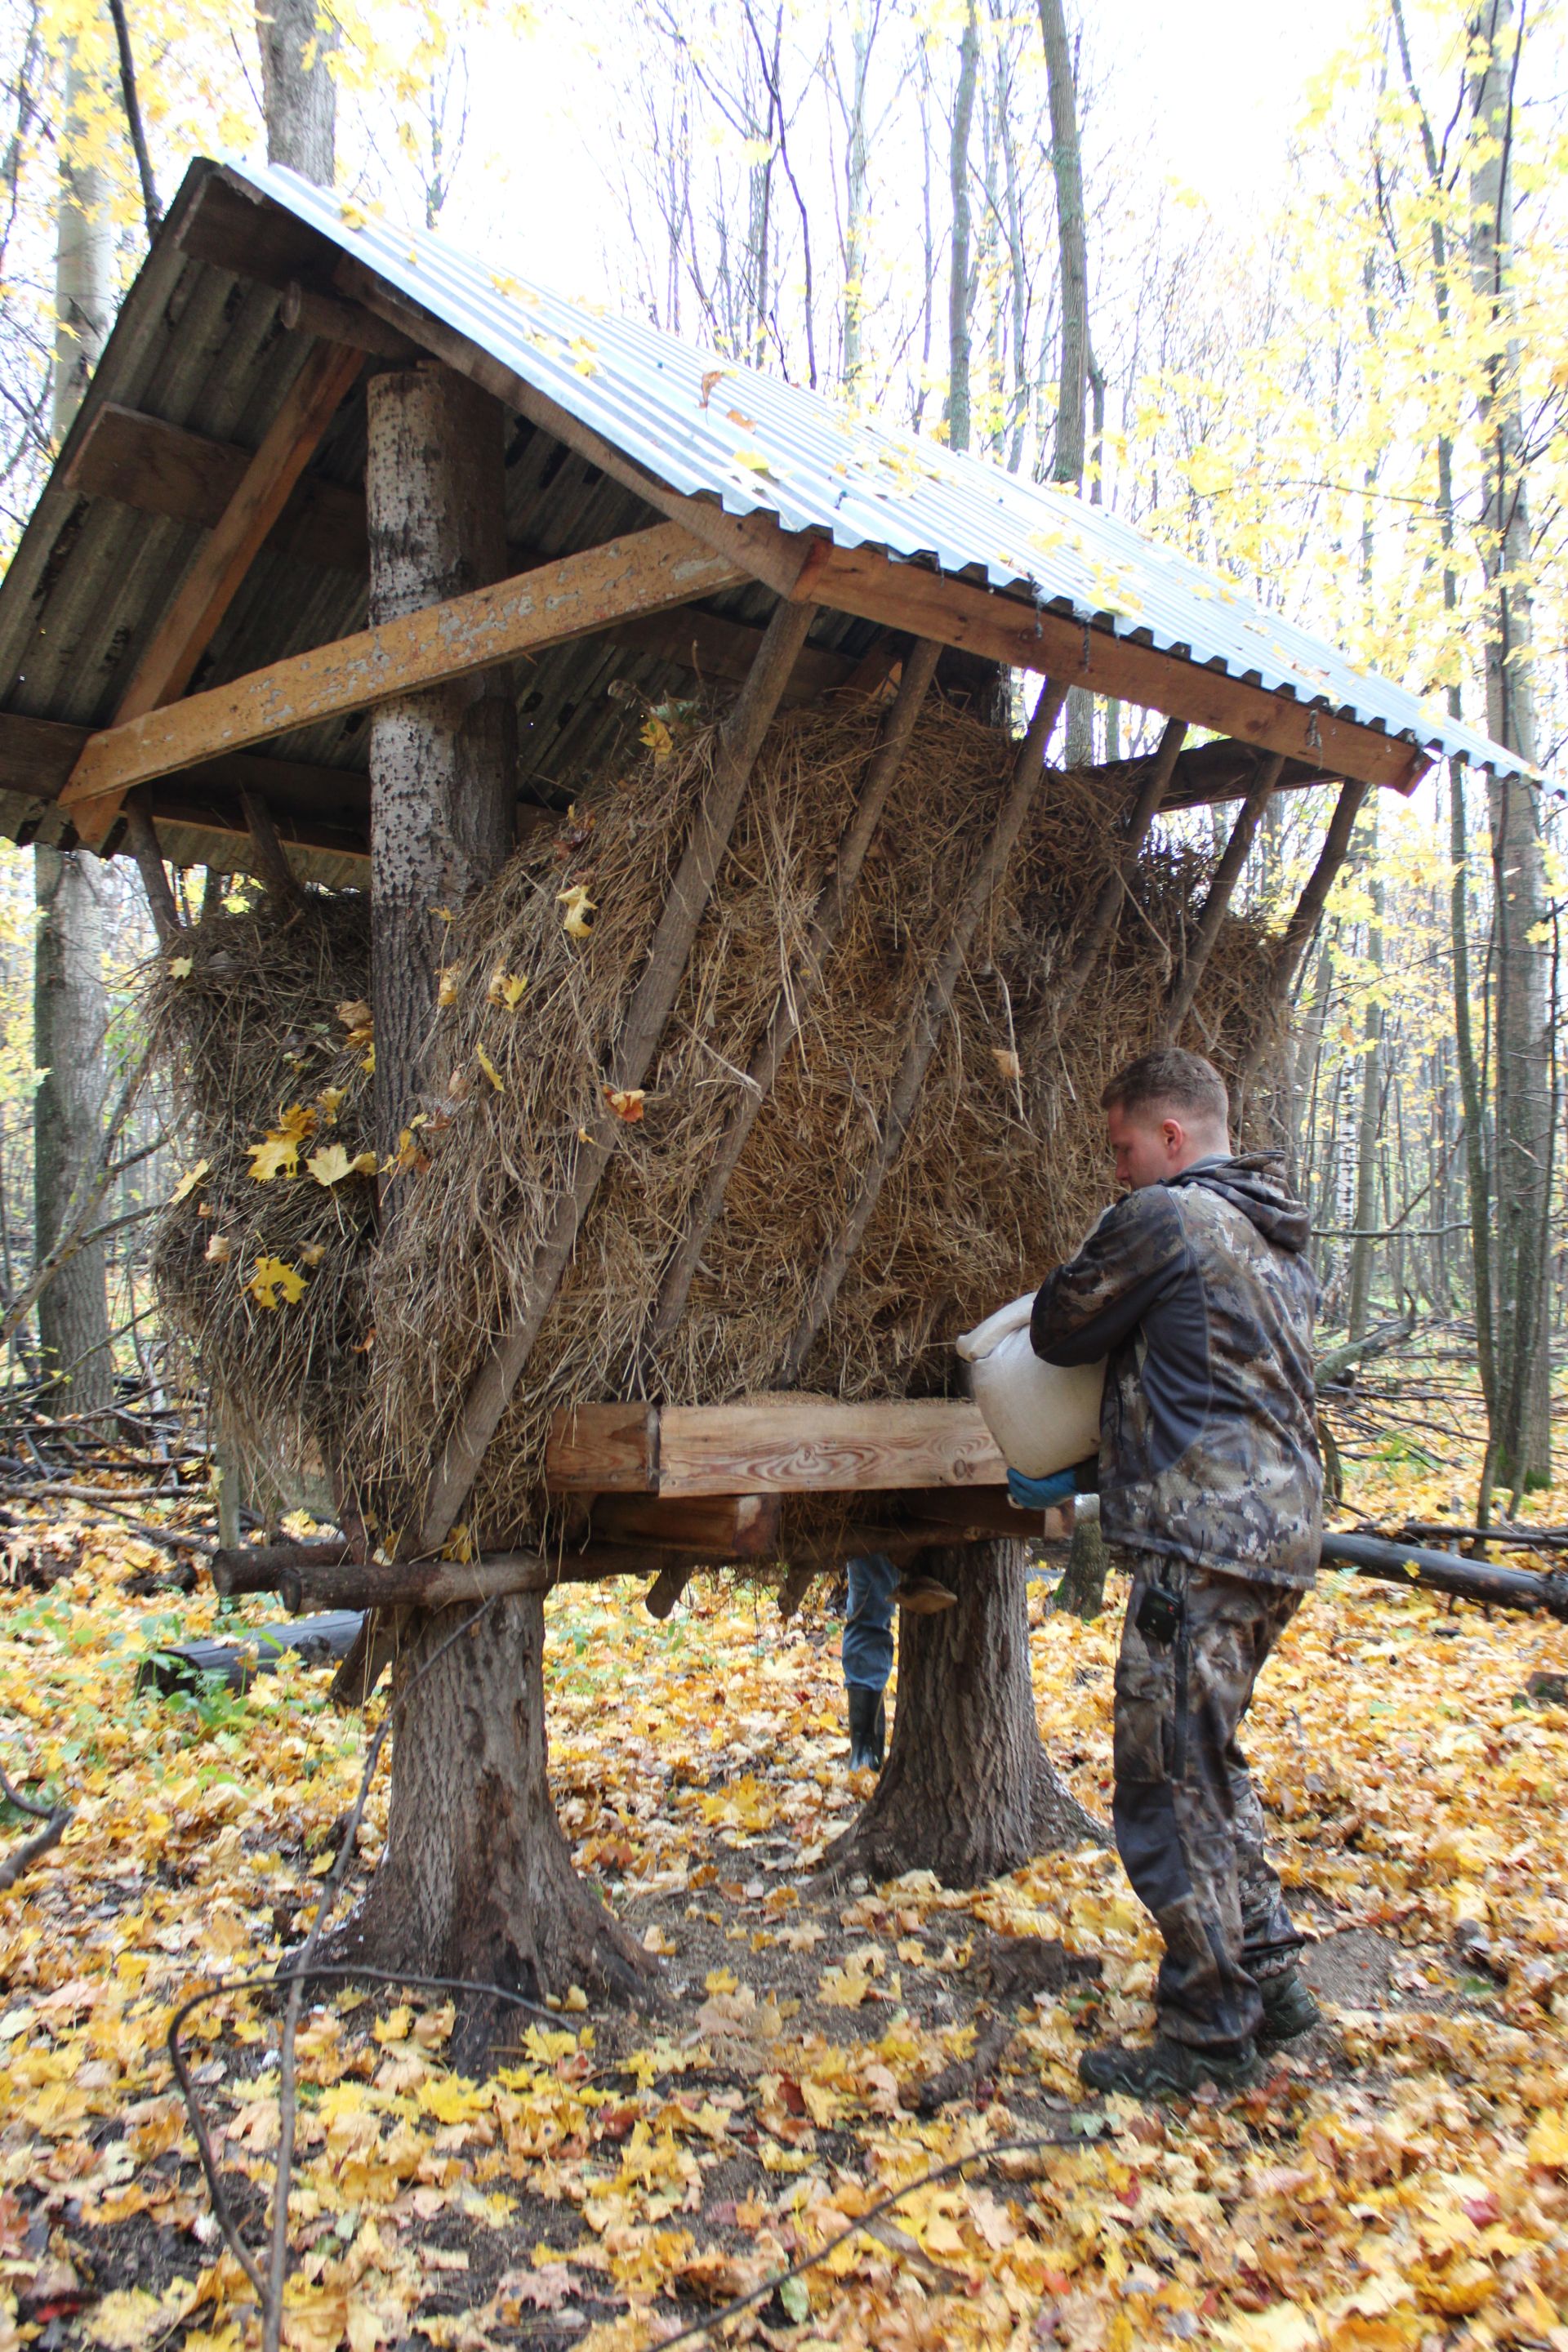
x=1145, y=809
x=826, y=922
x=143, y=838
x=1028, y=771
x=1298, y=931
x=271, y=858
x=1222, y=889
x=739, y=741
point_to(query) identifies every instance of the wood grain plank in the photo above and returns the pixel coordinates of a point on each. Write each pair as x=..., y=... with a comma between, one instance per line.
x=164, y=469
x=1004, y=629
x=794, y=1446
x=572, y=598
x=603, y=1449
x=729, y=1527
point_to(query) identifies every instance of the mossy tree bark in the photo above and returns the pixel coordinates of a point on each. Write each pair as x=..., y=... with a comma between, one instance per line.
x=968, y=1791
x=476, y=1881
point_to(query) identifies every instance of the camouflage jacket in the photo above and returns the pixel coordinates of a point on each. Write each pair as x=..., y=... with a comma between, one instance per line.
x=1199, y=1292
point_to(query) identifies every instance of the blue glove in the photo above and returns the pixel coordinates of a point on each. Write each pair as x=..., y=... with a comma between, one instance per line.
x=1039, y=1494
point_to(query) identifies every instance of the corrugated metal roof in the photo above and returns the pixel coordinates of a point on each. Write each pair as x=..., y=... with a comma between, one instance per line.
x=759, y=445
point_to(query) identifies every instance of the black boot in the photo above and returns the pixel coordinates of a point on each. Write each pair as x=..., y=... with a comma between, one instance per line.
x=866, y=1719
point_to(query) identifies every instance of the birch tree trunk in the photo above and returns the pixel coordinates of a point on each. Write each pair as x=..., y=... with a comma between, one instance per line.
x=299, y=95
x=958, y=288
x=1369, y=1132
x=1072, y=240
x=71, y=1009
x=1525, y=1107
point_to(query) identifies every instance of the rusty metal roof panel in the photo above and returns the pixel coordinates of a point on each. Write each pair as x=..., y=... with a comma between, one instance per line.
x=717, y=429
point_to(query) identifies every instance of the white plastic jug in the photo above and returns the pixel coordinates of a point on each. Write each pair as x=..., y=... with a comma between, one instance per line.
x=1044, y=1417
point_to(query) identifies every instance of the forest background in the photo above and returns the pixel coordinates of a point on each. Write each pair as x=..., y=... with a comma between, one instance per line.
x=1289, y=296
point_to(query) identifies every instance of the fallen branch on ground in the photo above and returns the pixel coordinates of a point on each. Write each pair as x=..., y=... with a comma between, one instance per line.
x=56, y=1820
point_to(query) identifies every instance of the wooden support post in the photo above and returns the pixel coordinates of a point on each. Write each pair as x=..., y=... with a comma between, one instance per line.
x=797, y=1585
x=149, y=859
x=442, y=762
x=1227, y=874
x=1113, y=889
x=271, y=857
x=1297, y=936
x=665, y=1591
x=794, y=997
x=1028, y=769
x=739, y=741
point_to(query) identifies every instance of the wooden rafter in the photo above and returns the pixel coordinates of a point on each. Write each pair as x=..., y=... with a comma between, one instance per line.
x=209, y=587
x=165, y=469
x=739, y=741
x=796, y=992
x=1150, y=799
x=929, y=1025
x=1222, y=889
x=544, y=607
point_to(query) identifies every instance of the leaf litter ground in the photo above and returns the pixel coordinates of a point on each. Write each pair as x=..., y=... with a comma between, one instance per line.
x=1397, y=2182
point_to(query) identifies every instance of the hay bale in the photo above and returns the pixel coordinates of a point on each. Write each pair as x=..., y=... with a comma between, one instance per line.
x=249, y=1034
x=1004, y=1170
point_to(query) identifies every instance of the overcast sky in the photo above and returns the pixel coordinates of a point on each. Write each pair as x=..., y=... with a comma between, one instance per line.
x=1216, y=87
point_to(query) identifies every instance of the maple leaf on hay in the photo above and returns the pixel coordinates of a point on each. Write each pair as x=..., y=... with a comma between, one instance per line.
x=273, y=1276
x=332, y=1164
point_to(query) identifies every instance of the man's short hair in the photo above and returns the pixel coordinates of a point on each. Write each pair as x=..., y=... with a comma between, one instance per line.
x=1169, y=1080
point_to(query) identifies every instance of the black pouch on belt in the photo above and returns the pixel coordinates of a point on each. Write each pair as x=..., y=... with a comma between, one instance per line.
x=1159, y=1615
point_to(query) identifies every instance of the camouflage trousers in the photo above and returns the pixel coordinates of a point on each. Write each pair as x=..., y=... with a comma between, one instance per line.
x=1189, y=1827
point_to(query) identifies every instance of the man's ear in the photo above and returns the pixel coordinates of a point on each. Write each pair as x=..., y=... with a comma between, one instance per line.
x=1173, y=1133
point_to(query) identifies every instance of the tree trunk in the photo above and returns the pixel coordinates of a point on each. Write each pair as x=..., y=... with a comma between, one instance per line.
x=968, y=1790
x=1369, y=1133
x=1072, y=241
x=70, y=1012
x=1081, y=1592
x=297, y=93
x=1525, y=1107
x=958, y=288
x=476, y=1880
x=442, y=763
x=71, y=1009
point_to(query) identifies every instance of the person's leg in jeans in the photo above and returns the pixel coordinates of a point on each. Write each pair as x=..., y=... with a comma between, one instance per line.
x=868, y=1654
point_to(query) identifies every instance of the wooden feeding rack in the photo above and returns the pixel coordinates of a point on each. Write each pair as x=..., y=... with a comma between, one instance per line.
x=711, y=1479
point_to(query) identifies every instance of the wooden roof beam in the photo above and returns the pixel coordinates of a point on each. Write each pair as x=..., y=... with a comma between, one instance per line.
x=572, y=598
x=1005, y=629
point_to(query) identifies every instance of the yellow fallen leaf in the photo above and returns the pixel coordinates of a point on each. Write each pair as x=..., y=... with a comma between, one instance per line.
x=490, y=1069
x=710, y=381
x=578, y=918
x=446, y=991
x=738, y=416
x=356, y=1015
x=187, y=1184
x=332, y=1164
x=507, y=988
x=180, y=967
x=219, y=1250
x=279, y=1155
x=658, y=737
x=626, y=1102
x=1548, y=2141
x=274, y=1276
x=313, y=1253
x=1008, y=1063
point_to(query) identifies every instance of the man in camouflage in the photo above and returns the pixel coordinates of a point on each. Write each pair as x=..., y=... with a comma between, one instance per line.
x=1195, y=1287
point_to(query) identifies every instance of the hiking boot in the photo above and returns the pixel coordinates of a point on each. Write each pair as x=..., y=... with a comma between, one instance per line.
x=868, y=1718
x=1166, y=2069
x=1288, y=2010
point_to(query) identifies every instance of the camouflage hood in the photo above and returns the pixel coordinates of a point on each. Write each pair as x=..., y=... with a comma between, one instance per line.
x=1256, y=1186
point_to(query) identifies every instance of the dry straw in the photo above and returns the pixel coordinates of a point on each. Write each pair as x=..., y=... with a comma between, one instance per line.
x=1003, y=1170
